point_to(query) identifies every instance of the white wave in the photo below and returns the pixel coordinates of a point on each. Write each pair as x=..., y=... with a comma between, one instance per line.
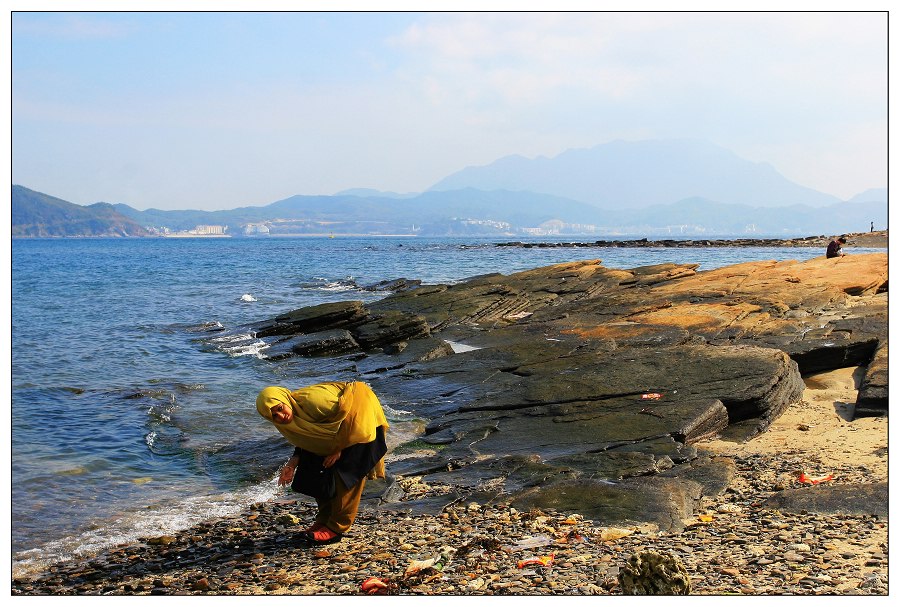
x=129, y=527
x=232, y=338
x=338, y=286
x=247, y=297
x=254, y=349
x=150, y=439
x=395, y=414
x=240, y=344
x=321, y=283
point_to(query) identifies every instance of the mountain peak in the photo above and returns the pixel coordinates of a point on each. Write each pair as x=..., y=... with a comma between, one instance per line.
x=641, y=173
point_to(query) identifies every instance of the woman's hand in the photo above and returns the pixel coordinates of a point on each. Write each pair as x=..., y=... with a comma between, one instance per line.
x=287, y=472
x=331, y=459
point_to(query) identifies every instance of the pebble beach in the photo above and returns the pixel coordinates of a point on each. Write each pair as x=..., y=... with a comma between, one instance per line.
x=734, y=545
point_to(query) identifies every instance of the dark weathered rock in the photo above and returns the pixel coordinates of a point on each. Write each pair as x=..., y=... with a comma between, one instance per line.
x=835, y=351
x=324, y=343
x=713, y=474
x=855, y=498
x=395, y=285
x=314, y=318
x=873, y=392
x=662, y=501
x=414, y=351
x=594, y=400
x=390, y=327
x=653, y=573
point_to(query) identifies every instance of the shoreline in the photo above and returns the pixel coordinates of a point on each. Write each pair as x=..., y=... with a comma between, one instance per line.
x=735, y=544
x=878, y=239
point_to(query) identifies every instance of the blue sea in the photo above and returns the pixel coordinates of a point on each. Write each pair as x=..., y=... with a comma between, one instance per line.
x=130, y=420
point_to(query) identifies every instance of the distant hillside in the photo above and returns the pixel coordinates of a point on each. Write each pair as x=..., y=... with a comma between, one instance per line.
x=461, y=213
x=873, y=195
x=476, y=212
x=38, y=215
x=431, y=213
x=697, y=216
x=630, y=175
x=371, y=193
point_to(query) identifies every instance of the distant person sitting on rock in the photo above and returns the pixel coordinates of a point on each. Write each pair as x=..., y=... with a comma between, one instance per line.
x=834, y=247
x=337, y=429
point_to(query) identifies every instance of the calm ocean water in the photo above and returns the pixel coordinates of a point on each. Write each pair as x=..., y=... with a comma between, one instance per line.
x=128, y=421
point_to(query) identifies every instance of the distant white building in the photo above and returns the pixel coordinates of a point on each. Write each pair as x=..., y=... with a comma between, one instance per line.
x=253, y=229
x=210, y=230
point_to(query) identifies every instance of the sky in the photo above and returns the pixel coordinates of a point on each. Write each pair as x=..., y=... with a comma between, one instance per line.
x=216, y=110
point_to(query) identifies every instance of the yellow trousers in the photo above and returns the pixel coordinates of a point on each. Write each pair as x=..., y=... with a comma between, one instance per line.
x=339, y=512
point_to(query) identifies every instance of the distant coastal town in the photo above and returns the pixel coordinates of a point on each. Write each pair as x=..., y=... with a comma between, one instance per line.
x=547, y=228
x=204, y=231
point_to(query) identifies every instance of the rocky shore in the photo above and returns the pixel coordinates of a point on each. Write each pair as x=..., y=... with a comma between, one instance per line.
x=581, y=426
x=759, y=537
x=875, y=239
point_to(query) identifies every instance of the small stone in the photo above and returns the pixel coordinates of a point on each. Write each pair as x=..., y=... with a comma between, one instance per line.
x=287, y=519
x=202, y=585
x=162, y=540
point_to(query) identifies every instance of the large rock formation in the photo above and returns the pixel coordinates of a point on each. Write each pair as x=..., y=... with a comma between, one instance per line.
x=588, y=386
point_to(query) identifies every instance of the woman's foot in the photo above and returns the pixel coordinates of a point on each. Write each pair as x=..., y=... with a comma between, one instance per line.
x=323, y=535
x=315, y=527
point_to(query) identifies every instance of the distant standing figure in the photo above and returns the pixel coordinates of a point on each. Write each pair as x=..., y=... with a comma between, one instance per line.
x=834, y=248
x=871, y=226
x=342, y=423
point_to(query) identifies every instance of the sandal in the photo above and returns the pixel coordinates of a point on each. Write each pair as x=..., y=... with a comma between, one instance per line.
x=322, y=536
x=315, y=527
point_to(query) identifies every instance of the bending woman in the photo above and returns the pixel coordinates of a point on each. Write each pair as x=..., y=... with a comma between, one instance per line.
x=341, y=422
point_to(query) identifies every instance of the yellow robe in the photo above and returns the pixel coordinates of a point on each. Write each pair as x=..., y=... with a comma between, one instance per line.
x=328, y=417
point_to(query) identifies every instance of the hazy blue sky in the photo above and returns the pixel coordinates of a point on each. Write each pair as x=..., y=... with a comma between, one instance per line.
x=219, y=110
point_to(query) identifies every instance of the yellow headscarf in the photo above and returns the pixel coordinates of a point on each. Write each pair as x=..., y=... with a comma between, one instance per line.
x=328, y=417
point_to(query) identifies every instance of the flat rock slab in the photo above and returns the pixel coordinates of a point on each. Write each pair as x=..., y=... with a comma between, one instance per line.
x=857, y=498
x=665, y=502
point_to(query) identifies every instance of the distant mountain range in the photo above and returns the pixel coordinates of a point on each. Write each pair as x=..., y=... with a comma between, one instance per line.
x=633, y=174
x=649, y=188
x=39, y=215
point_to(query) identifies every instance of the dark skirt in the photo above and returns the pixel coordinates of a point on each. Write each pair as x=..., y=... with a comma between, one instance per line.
x=358, y=460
